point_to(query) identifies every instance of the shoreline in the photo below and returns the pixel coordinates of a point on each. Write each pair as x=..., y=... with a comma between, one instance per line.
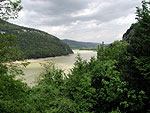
x=34, y=69
x=74, y=52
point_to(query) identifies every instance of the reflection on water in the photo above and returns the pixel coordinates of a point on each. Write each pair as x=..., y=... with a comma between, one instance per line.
x=34, y=69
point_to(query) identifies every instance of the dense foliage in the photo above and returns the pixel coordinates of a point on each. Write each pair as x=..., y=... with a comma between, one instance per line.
x=94, y=86
x=9, y=9
x=12, y=92
x=116, y=81
x=138, y=71
x=139, y=38
x=35, y=43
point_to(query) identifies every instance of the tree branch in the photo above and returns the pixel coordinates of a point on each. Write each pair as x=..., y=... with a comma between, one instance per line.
x=2, y=0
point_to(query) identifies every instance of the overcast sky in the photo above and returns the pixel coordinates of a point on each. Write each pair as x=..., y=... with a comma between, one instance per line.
x=81, y=20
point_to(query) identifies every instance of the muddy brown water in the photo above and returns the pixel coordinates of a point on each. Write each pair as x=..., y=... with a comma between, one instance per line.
x=34, y=69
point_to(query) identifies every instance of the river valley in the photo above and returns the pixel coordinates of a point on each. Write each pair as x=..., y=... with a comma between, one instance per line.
x=34, y=69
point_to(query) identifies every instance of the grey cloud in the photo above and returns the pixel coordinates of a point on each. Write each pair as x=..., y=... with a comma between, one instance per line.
x=53, y=12
x=55, y=7
x=58, y=12
x=37, y=13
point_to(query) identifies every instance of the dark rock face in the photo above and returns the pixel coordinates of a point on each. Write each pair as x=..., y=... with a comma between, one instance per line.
x=129, y=33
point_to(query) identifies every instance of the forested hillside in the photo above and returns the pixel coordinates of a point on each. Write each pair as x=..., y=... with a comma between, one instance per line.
x=79, y=45
x=35, y=43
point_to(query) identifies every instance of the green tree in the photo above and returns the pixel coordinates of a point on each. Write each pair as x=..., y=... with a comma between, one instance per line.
x=49, y=95
x=9, y=9
x=138, y=71
x=113, y=89
x=79, y=87
x=8, y=47
x=136, y=67
x=12, y=92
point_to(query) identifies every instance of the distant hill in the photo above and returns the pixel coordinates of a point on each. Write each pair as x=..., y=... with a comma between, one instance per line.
x=35, y=43
x=79, y=45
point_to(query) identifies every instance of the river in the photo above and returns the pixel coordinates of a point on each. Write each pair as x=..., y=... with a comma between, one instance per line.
x=34, y=69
